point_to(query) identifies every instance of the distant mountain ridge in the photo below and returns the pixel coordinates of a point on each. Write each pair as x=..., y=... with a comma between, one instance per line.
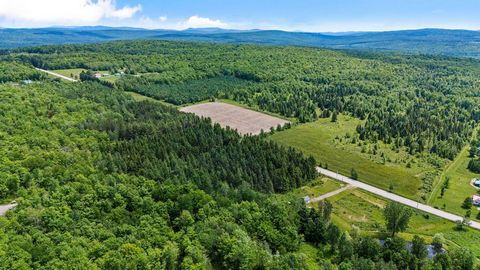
x=459, y=43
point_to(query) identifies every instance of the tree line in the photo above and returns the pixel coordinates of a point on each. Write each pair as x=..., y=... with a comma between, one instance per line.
x=474, y=154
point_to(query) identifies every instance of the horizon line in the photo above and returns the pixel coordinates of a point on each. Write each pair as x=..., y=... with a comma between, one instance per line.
x=236, y=29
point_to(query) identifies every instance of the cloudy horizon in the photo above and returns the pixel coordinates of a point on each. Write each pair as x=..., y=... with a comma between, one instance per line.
x=316, y=16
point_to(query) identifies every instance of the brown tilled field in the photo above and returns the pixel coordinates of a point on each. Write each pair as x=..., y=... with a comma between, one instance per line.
x=243, y=120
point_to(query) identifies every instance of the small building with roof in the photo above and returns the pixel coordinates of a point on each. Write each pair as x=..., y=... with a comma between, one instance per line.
x=476, y=200
x=476, y=182
x=306, y=199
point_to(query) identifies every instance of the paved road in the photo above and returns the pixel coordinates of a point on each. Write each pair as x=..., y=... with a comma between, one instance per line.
x=330, y=194
x=397, y=198
x=56, y=74
x=6, y=207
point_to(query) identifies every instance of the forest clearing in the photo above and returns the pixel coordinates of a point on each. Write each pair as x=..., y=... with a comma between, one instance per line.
x=243, y=120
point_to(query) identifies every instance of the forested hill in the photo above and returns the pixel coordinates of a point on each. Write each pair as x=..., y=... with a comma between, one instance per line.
x=460, y=43
x=427, y=104
x=105, y=182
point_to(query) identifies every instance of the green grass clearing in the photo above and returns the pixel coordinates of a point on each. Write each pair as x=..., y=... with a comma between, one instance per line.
x=110, y=78
x=311, y=253
x=365, y=211
x=73, y=73
x=331, y=145
x=459, y=186
x=322, y=185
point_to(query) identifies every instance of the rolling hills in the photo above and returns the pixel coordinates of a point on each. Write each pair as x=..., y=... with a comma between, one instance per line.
x=458, y=43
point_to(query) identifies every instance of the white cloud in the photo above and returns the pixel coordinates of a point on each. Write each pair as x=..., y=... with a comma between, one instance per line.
x=64, y=12
x=149, y=23
x=201, y=22
x=163, y=22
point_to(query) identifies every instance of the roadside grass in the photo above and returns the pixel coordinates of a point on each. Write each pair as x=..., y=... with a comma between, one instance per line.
x=69, y=72
x=330, y=144
x=365, y=211
x=459, y=186
x=321, y=185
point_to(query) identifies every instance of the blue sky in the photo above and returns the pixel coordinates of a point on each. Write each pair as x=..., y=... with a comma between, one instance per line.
x=294, y=15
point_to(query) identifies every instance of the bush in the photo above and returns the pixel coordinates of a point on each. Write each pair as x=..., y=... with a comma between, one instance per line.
x=437, y=241
x=474, y=165
x=354, y=174
x=467, y=203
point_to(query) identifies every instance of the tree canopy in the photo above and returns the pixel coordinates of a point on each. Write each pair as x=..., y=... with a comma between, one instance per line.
x=397, y=217
x=105, y=182
x=427, y=104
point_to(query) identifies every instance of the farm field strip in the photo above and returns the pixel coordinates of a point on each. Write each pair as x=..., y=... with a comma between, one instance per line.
x=245, y=121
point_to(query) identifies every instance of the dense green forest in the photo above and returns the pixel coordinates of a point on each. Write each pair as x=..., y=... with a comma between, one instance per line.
x=189, y=91
x=474, y=154
x=104, y=182
x=428, y=104
x=16, y=72
x=72, y=153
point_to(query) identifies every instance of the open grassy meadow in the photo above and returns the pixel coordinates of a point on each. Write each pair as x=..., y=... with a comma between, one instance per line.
x=333, y=145
x=322, y=185
x=459, y=186
x=365, y=211
x=73, y=73
x=110, y=78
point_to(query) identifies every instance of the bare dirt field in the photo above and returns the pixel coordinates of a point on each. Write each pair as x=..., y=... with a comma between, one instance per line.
x=243, y=120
